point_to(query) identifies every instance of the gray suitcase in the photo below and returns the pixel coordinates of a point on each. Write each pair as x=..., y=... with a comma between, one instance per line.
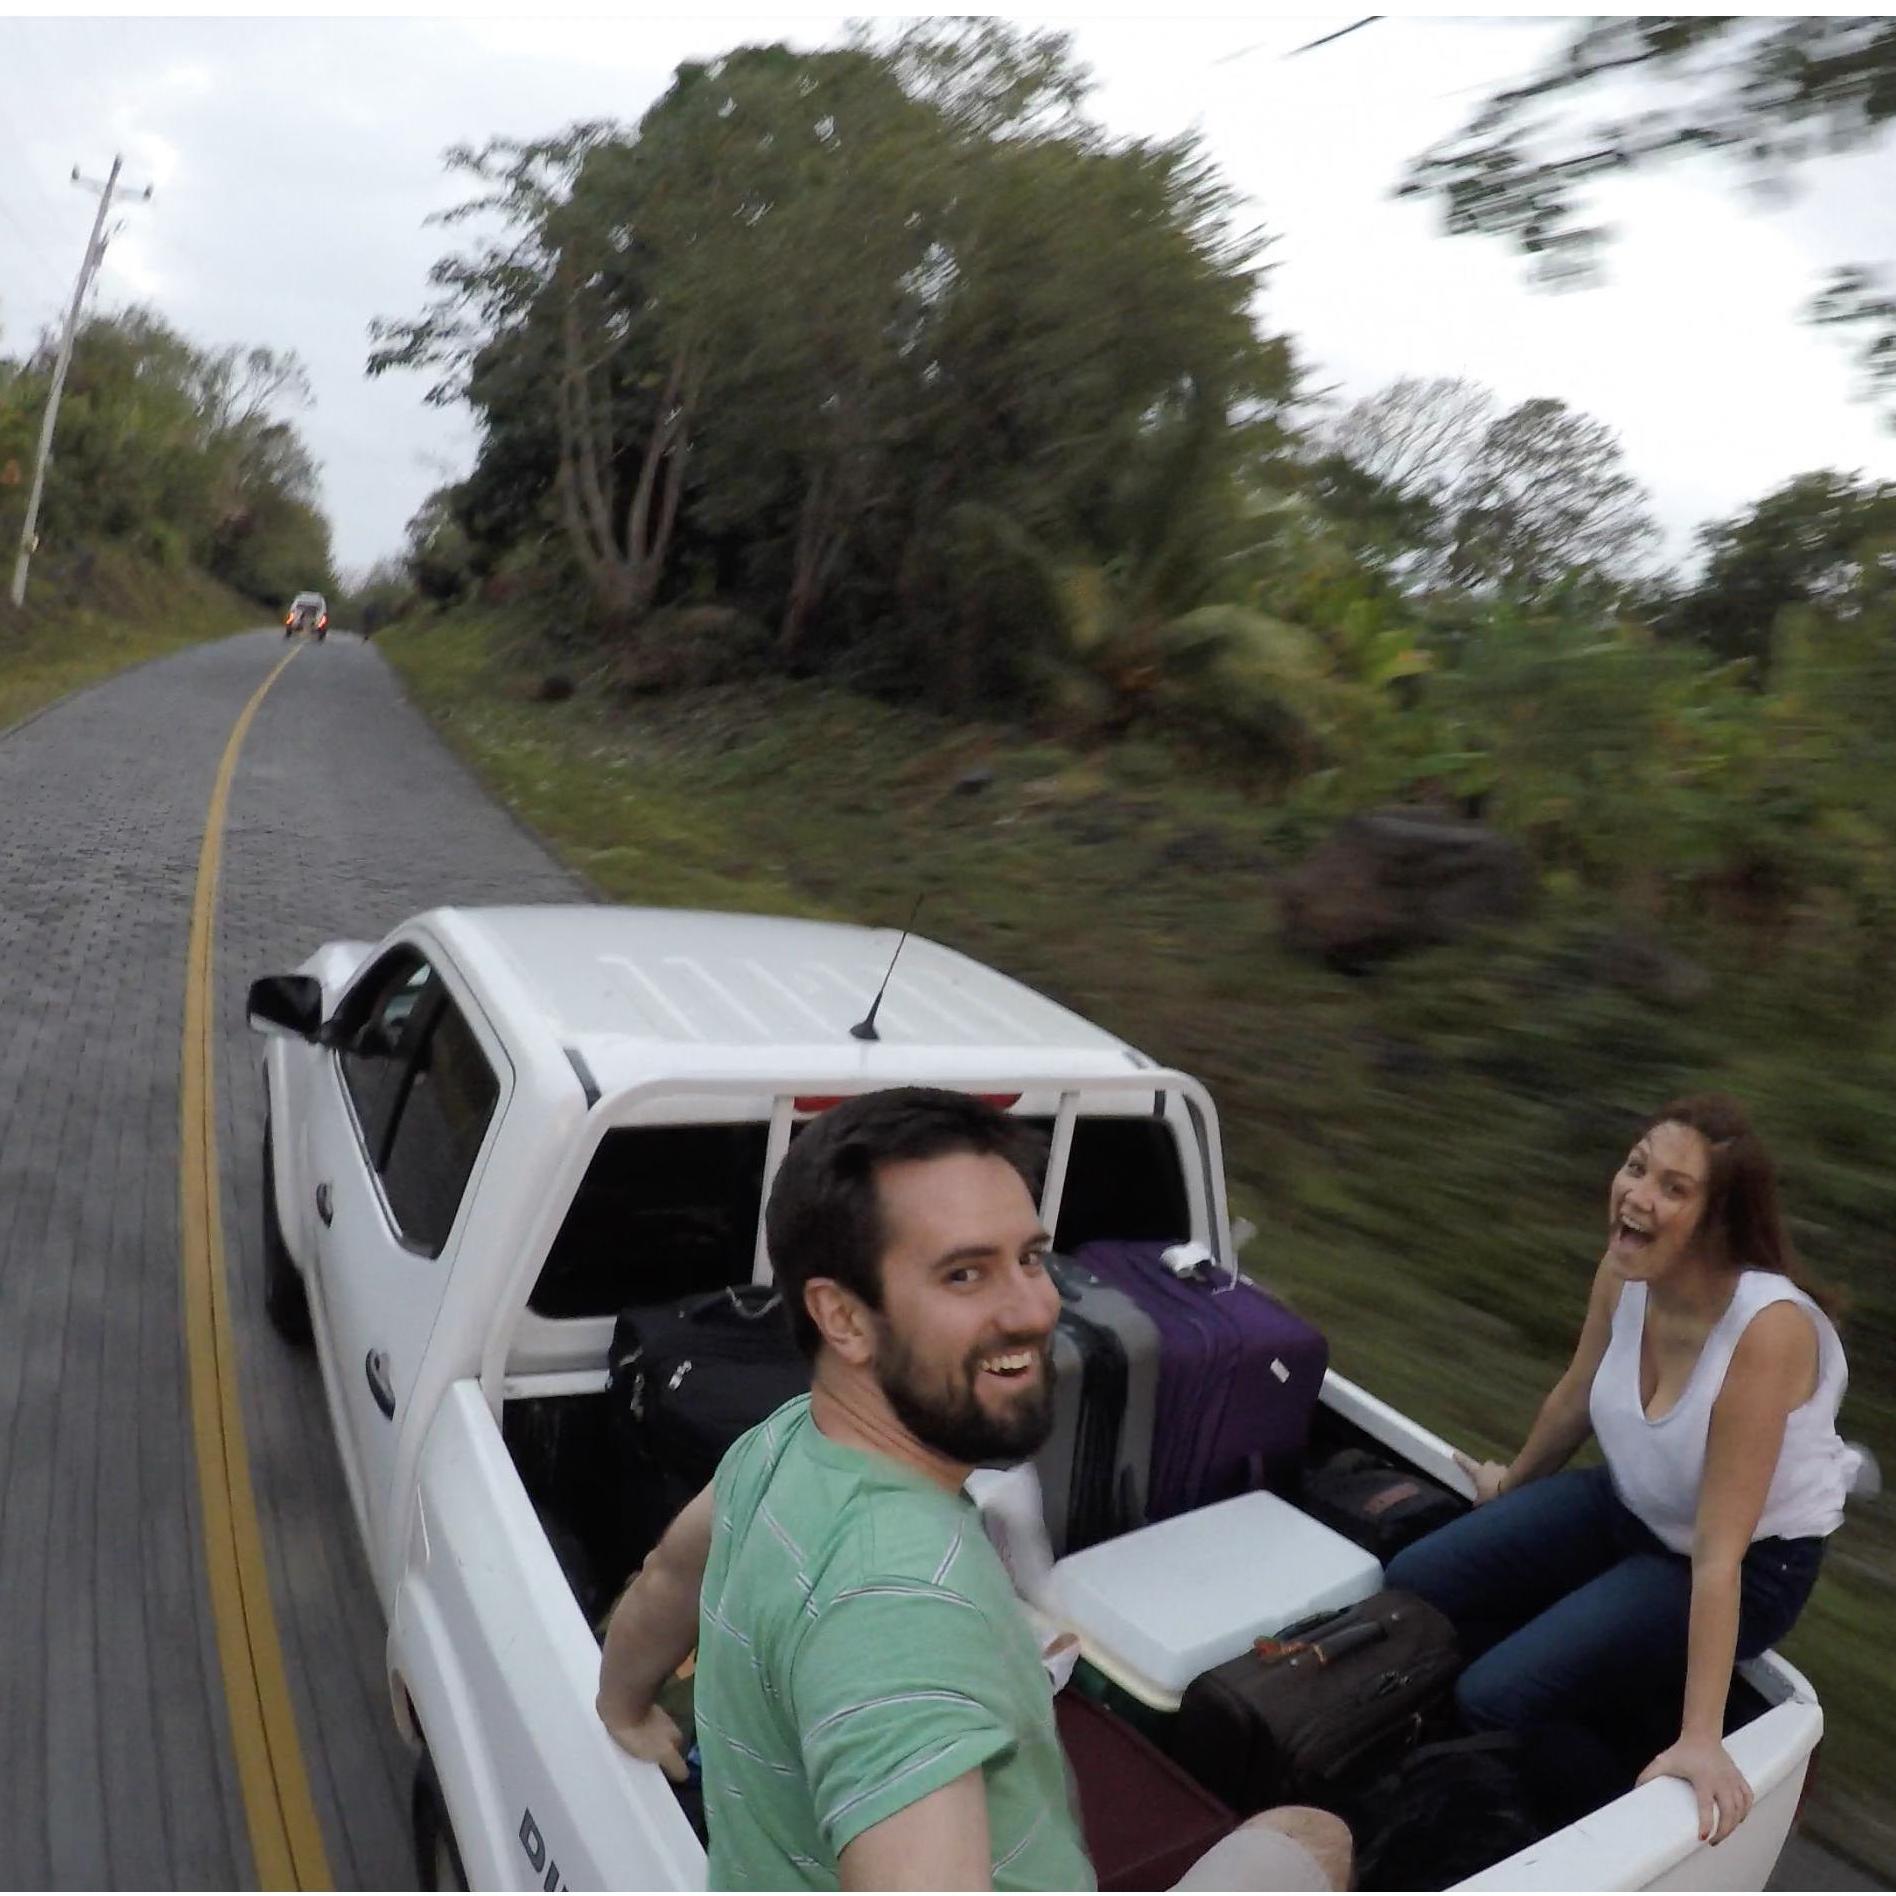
x=1054, y=1464
x=1096, y=1465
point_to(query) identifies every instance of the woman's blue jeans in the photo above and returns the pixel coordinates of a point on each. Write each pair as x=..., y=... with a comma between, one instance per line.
x=1569, y=1608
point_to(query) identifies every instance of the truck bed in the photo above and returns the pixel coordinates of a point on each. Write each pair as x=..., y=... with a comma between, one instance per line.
x=1646, y=1839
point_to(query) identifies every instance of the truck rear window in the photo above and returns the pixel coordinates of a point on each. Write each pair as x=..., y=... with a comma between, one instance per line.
x=663, y=1212
x=669, y=1211
x=1123, y=1181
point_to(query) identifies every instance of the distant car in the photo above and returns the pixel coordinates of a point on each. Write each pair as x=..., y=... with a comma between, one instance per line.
x=308, y=613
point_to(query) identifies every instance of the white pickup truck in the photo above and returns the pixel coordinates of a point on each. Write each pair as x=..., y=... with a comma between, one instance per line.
x=489, y=1132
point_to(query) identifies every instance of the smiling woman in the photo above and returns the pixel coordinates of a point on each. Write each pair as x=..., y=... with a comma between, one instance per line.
x=1711, y=1376
x=1658, y=1199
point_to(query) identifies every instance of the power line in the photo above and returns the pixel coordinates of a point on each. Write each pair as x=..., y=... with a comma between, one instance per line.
x=33, y=251
x=1353, y=27
x=1309, y=46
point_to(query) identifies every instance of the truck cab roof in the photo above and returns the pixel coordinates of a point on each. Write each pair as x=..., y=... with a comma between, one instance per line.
x=646, y=992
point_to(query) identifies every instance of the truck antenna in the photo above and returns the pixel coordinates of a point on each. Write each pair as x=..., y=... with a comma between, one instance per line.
x=865, y=1029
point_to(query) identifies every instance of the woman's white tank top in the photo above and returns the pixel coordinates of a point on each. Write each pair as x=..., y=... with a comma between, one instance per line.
x=1659, y=1467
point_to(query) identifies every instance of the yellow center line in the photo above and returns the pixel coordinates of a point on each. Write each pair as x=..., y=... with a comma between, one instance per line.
x=286, y=1840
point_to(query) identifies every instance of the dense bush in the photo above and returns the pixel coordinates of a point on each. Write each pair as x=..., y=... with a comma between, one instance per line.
x=178, y=453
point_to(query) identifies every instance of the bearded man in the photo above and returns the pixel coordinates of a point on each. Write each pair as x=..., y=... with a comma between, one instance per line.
x=871, y=1706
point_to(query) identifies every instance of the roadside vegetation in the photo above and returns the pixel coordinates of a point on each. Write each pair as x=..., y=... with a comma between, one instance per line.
x=180, y=503
x=892, y=484
x=96, y=611
x=1424, y=1150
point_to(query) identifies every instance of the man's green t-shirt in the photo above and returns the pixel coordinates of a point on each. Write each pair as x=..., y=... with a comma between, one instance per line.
x=860, y=1646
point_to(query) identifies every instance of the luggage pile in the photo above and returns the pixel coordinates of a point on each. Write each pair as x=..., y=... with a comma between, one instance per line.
x=1237, y=1646
x=1224, y=1582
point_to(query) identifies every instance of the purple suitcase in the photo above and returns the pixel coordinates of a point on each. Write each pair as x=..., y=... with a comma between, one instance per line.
x=1198, y=1360
x=1238, y=1378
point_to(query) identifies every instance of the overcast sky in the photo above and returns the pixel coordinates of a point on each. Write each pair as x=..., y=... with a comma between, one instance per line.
x=295, y=162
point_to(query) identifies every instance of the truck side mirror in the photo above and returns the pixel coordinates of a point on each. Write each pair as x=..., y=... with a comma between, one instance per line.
x=287, y=1004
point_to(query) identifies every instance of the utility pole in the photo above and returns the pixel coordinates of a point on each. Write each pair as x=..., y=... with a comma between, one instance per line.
x=95, y=255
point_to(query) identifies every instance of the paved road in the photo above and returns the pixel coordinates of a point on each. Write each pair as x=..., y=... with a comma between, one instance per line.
x=346, y=815
x=1807, y=1865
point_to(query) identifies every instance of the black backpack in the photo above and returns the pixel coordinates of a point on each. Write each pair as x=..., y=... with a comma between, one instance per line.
x=1372, y=1502
x=1454, y=1809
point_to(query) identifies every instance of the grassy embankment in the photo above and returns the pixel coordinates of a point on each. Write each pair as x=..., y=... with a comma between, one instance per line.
x=95, y=614
x=1425, y=1152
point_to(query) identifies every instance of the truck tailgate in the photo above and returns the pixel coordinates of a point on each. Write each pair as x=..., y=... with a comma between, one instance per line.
x=1648, y=1839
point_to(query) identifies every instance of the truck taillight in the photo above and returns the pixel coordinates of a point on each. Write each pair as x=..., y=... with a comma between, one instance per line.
x=322, y=624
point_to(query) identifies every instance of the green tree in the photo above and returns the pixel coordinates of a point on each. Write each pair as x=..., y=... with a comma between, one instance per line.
x=816, y=308
x=186, y=454
x=793, y=201
x=1546, y=495
x=1392, y=461
x=1821, y=540
x=1089, y=344
x=545, y=325
x=1773, y=92
x=1437, y=488
x=437, y=556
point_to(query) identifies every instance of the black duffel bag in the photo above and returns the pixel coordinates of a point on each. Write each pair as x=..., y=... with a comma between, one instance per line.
x=1299, y=1716
x=1451, y=1810
x=688, y=1378
x=1446, y=1813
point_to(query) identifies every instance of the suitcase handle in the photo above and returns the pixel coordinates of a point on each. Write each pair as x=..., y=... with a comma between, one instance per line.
x=731, y=1298
x=1296, y=1630
x=1350, y=1639
x=1195, y=1262
x=1325, y=1651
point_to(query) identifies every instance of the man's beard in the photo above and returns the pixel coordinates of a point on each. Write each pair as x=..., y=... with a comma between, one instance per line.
x=950, y=1419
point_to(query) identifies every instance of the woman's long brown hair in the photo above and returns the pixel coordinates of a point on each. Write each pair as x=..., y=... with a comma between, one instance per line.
x=1742, y=1218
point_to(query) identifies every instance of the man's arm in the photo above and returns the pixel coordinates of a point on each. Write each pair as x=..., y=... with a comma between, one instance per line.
x=651, y=1634
x=938, y=1842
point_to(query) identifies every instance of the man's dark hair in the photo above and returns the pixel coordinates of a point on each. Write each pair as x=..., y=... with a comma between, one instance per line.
x=825, y=1218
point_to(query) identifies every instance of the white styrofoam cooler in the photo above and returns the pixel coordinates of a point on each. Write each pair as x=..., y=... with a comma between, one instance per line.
x=1157, y=1607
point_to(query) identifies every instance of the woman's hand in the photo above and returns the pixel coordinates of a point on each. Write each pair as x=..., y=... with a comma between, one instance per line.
x=1716, y=1781
x=1490, y=1478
